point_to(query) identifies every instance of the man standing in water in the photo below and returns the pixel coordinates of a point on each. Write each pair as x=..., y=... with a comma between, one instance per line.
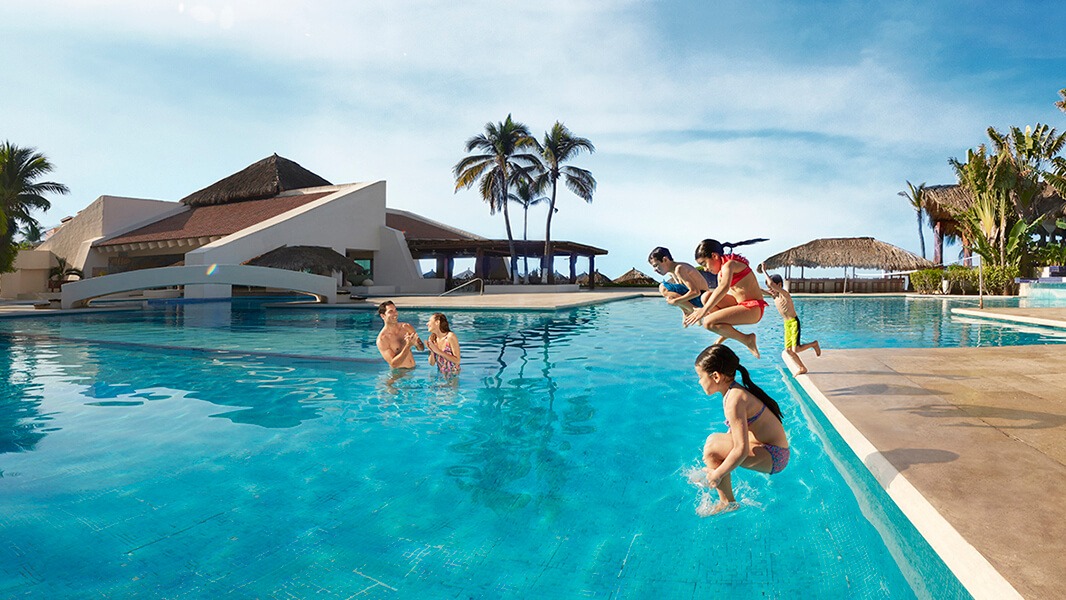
x=397, y=339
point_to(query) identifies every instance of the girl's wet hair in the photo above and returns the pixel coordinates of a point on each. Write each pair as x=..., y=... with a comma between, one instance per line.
x=722, y=359
x=442, y=322
x=708, y=247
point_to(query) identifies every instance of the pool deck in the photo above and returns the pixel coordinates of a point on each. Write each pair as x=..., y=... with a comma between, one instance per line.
x=970, y=443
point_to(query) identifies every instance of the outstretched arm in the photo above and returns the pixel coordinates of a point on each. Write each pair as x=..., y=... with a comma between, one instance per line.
x=724, y=277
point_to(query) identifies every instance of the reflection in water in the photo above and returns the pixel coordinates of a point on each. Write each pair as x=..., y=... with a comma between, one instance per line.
x=21, y=423
x=512, y=454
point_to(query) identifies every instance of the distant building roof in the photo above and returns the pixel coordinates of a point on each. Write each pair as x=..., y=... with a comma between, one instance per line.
x=417, y=227
x=213, y=221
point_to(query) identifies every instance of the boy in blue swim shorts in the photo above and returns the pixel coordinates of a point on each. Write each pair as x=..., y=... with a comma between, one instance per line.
x=687, y=285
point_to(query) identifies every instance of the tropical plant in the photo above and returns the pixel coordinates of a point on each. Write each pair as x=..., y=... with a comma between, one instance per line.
x=500, y=164
x=559, y=147
x=916, y=196
x=20, y=195
x=526, y=195
x=1052, y=254
x=927, y=281
x=1062, y=103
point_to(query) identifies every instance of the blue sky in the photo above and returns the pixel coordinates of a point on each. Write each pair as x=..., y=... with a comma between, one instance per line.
x=729, y=120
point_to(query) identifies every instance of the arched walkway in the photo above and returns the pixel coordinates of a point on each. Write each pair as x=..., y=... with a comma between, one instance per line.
x=79, y=293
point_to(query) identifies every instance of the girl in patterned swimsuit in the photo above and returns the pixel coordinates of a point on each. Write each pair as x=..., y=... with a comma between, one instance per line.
x=443, y=345
x=738, y=298
x=755, y=440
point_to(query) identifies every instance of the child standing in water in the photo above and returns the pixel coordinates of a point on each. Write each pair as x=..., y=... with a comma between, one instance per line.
x=443, y=345
x=785, y=306
x=756, y=439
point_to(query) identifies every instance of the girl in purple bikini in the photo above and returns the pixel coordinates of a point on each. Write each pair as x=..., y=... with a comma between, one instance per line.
x=756, y=438
x=443, y=345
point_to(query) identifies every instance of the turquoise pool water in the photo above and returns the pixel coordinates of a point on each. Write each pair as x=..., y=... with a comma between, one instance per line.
x=207, y=450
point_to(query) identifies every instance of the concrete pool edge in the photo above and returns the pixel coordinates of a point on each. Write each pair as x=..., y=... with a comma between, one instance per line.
x=1014, y=315
x=972, y=569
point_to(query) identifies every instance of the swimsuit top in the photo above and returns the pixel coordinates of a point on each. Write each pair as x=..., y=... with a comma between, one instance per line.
x=445, y=366
x=742, y=273
x=750, y=419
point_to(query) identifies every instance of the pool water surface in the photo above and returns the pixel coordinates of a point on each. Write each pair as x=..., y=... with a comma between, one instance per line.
x=217, y=449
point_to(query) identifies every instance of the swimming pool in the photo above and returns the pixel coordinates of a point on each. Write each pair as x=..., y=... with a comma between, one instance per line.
x=208, y=449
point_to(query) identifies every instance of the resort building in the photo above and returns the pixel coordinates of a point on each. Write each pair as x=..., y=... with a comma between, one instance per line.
x=272, y=204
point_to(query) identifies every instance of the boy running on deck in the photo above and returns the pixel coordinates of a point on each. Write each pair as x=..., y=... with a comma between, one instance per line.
x=785, y=306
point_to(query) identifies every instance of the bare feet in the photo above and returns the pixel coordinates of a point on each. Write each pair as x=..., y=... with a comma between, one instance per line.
x=708, y=507
x=752, y=345
x=801, y=370
x=817, y=348
x=720, y=340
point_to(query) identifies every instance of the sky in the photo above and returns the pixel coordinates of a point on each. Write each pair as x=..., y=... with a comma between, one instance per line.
x=728, y=120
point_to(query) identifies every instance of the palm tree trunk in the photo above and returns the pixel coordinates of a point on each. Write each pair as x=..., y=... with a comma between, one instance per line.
x=510, y=243
x=921, y=236
x=525, y=238
x=547, y=272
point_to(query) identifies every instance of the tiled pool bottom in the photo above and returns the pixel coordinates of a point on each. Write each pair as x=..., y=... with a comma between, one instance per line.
x=554, y=468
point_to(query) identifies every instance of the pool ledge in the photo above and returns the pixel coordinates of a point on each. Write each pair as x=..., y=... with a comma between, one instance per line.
x=969, y=443
x=1044, y=317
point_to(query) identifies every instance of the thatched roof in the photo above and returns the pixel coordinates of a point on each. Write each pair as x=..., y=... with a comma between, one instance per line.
x=635, y=277
x=860, y=252
x=264, y=179
x=315, y=259
x=943, y=202
x=601, y=279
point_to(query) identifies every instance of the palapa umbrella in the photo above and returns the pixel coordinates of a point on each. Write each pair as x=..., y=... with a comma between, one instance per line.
x=314, y=259
x=633, y=277
x=601, y=279
x=855, y=252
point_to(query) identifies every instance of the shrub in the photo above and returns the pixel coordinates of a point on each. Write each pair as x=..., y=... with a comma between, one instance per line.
x=1000, y=279
x=961, y=280
x=927, y=281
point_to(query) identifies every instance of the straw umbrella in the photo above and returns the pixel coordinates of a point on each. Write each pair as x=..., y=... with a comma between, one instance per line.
x=600, y=279
x=633, y=277
x=314, y=259
x=856, y=252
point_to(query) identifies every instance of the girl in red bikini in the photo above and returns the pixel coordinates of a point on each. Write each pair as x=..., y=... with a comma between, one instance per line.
x=738, y=298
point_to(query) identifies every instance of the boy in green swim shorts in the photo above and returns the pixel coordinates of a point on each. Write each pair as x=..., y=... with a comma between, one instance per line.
x=785, y=306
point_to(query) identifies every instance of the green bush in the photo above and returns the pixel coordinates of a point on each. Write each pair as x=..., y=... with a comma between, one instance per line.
x=927, y=281
x=1051, y=254
x=1000, y=280
x=961, y=280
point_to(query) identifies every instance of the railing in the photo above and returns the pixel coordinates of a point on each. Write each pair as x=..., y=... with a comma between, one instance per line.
x=475, y=280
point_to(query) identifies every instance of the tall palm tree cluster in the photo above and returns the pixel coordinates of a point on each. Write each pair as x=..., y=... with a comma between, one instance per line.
x=1005, y=180
x=509, y=164
x=20, y=194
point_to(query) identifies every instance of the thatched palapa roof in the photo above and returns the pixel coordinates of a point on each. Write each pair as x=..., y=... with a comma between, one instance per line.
x=315, y=259
x=601, y=279
x=859, y=252
x=943, y=202
x=635, y=277
x=264, y=179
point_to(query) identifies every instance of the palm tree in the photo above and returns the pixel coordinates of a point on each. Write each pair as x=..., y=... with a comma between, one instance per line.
x=526, y=195
x=1062, y=103
x=560, y=146
x=916, y=196
x=20, y=194
x=500, y=165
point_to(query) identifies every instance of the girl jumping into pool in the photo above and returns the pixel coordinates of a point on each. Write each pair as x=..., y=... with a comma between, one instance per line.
x=443, y=345
x=737, y=300
x=756, y=438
